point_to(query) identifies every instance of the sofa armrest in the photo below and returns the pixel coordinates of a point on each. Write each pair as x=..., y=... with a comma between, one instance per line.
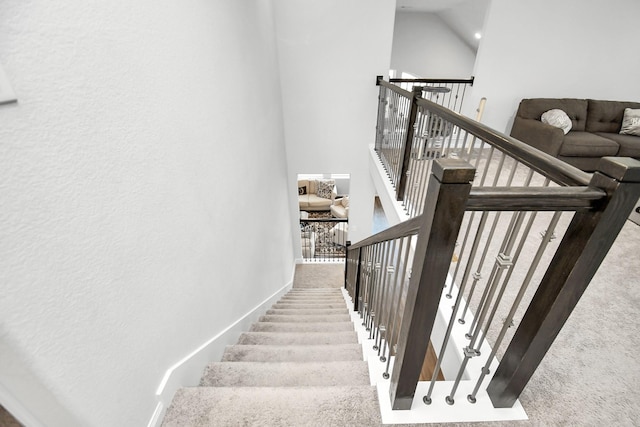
x=539, y=135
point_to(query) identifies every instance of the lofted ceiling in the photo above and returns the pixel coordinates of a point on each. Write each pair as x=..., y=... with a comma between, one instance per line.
x=464, y=17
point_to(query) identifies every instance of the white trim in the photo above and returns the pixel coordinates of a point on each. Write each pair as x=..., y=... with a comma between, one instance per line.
x=393, y=209
x=188, y=370
x=438, y=411
x=17, y=410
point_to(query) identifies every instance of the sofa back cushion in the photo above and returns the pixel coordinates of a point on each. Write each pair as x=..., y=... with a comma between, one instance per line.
x=606, y=116
x=576, y=109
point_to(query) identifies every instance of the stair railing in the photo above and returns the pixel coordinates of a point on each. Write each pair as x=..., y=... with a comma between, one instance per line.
x=472, y=241
x=324, y=239
x=446, y=92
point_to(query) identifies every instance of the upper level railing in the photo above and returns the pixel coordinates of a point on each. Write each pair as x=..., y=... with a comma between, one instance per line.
x=511, y=235
x=446, y=92
x=324, y=239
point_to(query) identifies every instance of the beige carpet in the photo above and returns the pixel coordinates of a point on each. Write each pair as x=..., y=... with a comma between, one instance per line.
x=300, y=365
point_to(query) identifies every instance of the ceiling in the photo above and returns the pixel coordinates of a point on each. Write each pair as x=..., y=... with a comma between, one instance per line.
x=464, y=17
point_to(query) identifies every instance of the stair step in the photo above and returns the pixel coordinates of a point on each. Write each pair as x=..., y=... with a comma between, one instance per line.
x=310, y=374
x=301, y=327
x=298, y=338
x=273, y=406
x=313, y=296
x=307, y=312
x=310, y=306
x=306, y=318
x=292, y=353
x=312, y=302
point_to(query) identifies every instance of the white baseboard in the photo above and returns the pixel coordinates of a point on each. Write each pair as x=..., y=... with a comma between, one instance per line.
x=188, y=371
x=17, y=410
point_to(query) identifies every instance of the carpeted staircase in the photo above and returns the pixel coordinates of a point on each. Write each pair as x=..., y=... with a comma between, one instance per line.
x=300, y=365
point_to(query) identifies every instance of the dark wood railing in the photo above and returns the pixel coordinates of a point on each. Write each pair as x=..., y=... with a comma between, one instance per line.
x=483, y=186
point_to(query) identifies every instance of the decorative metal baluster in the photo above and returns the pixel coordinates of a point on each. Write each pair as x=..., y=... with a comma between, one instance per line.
x=384, y=283
x=375, y=285
x=472, y=350
x=390, y=293
x=364, y=284
x=516, y=303
x=397, y=316
x=505, y=256
x=478, y=274
x=461, y=254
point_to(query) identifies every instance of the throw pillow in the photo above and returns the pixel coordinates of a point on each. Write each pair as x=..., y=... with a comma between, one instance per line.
x=302, y=190
x=557, y=118
x=345, y=201
x=325, y=188
x=631, y=122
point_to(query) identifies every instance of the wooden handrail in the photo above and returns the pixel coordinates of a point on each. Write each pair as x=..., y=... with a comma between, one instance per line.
x=405, y=228
x=533, y=198
x=545, y=164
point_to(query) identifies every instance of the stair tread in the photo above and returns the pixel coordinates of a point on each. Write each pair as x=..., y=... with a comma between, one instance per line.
x=301, y=326
x=306, y=312
x=285, y=374
x=297, y=338
x=292, y=353
x=318, y=318
x=274, y=406
x=310, y=306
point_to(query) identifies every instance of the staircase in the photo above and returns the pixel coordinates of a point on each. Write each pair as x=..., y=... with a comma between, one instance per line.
x=300, y=365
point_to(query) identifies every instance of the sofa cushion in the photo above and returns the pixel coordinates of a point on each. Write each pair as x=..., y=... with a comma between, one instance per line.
x=629, y=144
x=313, y=186
x=576, y=109
x=630, y=122
x=318, y=202
x=325, y=188
x=585, y=144
x=303, y=200
x=606, y=116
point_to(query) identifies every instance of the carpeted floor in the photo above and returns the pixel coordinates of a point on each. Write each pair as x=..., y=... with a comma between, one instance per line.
x=7, y=420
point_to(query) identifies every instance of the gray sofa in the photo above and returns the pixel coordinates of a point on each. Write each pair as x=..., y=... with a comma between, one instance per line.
x=595, y=127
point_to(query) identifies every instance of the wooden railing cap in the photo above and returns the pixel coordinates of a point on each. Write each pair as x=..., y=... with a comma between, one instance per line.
x=451, y=171
x=622, y=169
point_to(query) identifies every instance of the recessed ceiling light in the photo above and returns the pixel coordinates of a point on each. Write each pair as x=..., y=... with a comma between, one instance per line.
x=478, y=36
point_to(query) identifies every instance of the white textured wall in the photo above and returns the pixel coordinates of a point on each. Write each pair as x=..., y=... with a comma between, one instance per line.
x=330, y=53
x=423, y=45
x=136, y=171
x=555, y=49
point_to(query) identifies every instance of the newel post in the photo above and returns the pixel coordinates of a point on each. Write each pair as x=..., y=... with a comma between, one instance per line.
x=580, y=253
x=447, y=194
x=408, y=143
